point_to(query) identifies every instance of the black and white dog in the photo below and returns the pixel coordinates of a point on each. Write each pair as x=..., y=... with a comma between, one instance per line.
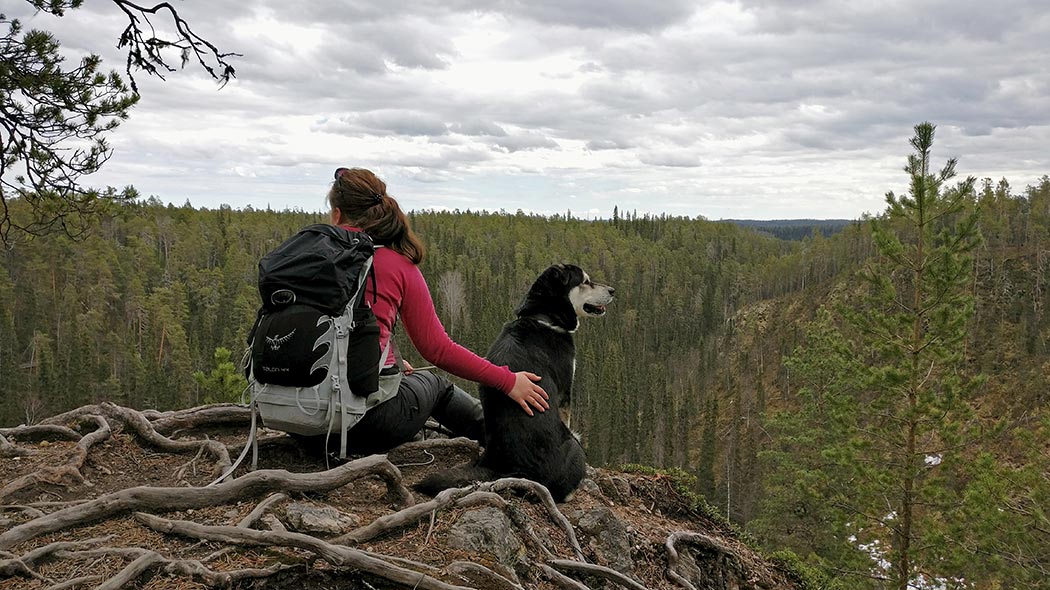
x=539, y=447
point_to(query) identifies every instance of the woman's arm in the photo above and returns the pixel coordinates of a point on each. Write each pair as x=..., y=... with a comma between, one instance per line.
x=428, y=335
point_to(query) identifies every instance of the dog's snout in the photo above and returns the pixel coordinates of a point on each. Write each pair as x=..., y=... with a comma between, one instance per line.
x=612, y=291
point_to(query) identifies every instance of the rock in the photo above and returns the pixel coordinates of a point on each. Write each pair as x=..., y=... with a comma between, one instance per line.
x=486, y=530
x=607, y=535
x=306, y=518
x=615, y=488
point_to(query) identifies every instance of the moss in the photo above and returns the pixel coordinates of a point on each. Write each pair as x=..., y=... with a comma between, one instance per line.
x=805, y=575
x=686, y=484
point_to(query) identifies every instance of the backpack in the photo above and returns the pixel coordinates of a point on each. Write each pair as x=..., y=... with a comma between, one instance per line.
x=313, y=353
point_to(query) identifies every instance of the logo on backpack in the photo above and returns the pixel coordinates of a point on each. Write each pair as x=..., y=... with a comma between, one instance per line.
x=275, y=343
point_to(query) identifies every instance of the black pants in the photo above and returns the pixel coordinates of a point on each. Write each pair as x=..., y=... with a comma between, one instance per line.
x=397, y=420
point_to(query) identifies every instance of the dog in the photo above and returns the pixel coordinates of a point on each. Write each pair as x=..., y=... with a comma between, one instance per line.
x=539, y=447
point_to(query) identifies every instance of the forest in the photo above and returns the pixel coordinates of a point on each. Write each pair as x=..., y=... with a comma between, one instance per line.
x=714, y=338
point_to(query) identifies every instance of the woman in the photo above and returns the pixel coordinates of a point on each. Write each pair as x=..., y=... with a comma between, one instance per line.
x=358, y=200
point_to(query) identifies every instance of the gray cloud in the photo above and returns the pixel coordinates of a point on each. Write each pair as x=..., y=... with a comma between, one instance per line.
x=774, y=98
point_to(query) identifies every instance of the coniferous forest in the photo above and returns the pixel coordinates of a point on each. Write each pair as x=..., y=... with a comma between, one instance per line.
x=730, y=353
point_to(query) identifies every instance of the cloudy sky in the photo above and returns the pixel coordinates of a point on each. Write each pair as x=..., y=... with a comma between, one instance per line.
x=746, y=109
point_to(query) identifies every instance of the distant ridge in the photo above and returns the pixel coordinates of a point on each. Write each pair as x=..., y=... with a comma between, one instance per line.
x=793, y=229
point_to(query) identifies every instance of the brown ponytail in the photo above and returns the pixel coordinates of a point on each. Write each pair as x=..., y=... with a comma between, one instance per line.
x=361, y=198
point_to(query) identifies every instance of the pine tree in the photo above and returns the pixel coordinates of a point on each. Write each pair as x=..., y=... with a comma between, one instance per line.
x=887, y=435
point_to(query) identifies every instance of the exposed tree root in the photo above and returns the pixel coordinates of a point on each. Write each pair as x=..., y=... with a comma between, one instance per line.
x=406, y=517
x=484, y=577
x=561, y=579
x=67, y=473
x=708, y=543
x=144, y=560
x=596, y=570
x=432, y=444
x=7, y=449
x=250, y=485
x=511, y=483
x=338, y=555
x=248, y=521
x=23, y=565
x=41, y=432
x=210, y=415
x=482, y=493
x=74, y=582
x=136, y=422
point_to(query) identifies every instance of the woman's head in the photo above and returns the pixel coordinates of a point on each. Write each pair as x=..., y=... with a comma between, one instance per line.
x=358, y=198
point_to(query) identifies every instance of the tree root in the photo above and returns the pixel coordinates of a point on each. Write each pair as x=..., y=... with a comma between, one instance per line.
x=561, y=579
x=406, y=517
x=483, y=493
x=23, y=565
x=7, y=449
x=74, y=582
x=707, y=542
x=41, y=432
x=338, y=555
x=512, y=483
x=136, y=422
x=488, y=578
x=251, y=485
x=431, y=444
x=597, y=570
x=144, y=560
x=248, y=521
x=210, y=415
x=68, y=473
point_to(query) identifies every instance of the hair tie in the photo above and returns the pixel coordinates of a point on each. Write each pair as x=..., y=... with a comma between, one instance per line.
x=377, y=198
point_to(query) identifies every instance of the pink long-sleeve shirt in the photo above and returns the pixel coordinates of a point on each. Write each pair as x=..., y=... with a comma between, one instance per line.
x=403, y=291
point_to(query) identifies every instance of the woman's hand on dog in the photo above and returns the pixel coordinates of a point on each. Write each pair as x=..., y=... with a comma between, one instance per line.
x=527, y=393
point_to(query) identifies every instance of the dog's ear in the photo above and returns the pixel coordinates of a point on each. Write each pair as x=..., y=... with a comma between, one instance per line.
x=568, y=274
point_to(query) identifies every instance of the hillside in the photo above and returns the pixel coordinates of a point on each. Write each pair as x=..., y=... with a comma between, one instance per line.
x=76, y=513
x=685, y=371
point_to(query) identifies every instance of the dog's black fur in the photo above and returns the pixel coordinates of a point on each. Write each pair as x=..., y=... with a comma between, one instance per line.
x=538, y=447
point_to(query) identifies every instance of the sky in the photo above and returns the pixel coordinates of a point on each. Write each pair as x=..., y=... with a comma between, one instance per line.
x=773, y=109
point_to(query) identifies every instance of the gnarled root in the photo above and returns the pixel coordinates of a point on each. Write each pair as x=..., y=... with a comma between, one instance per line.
x=338, y=555
x=251, y=485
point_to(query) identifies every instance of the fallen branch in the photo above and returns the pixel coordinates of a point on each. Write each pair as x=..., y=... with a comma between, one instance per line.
x=69, y=472
x=337, y=555
x=167, y=499
x=597, y=570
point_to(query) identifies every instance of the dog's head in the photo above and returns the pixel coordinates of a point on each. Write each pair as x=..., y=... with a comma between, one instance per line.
x=564, y=293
